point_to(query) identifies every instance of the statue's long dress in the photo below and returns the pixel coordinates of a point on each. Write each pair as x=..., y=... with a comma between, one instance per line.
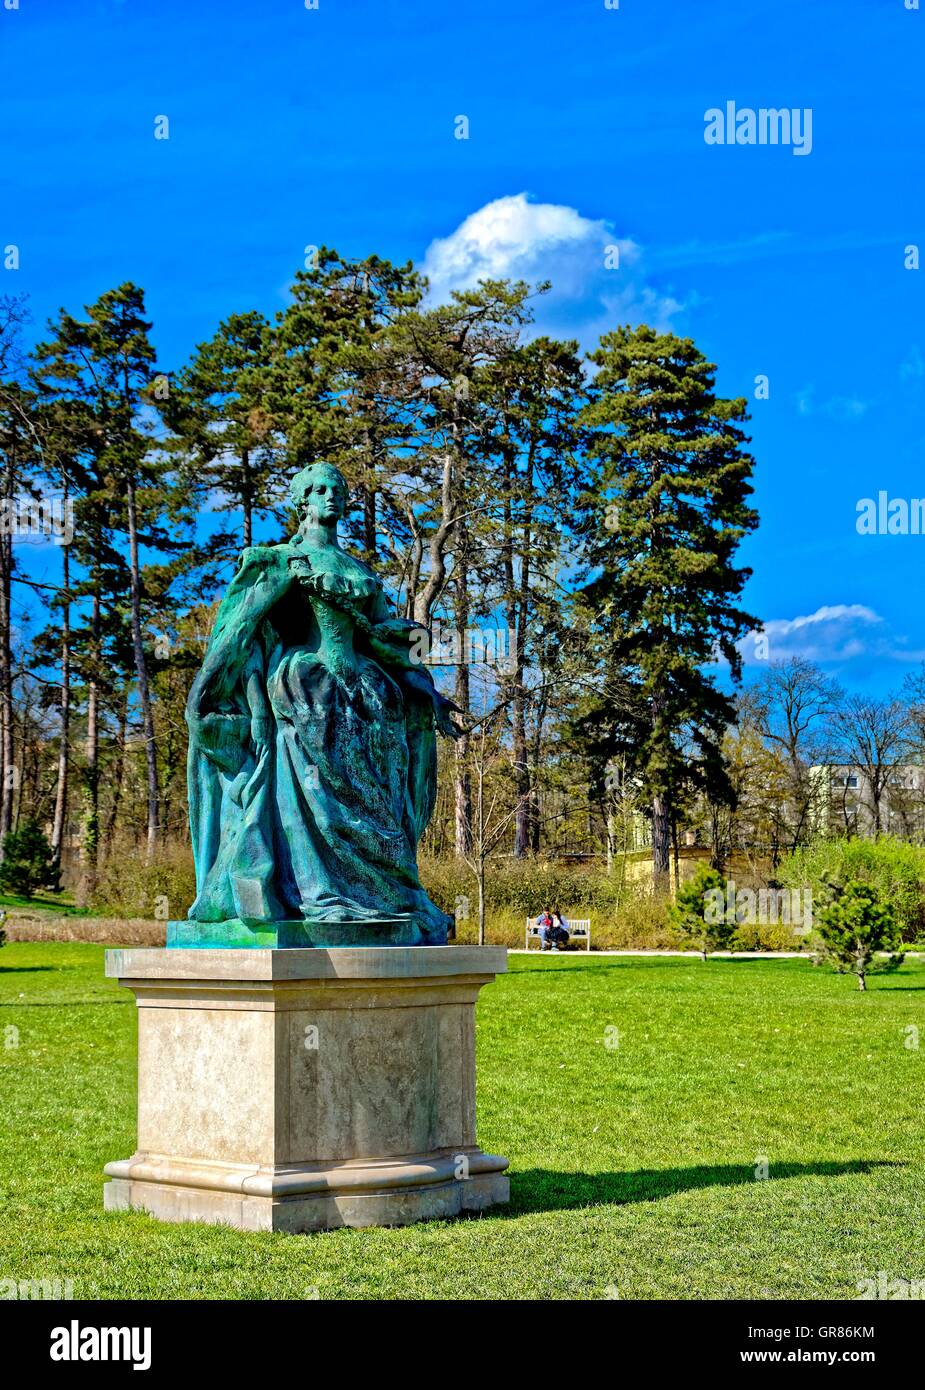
x=322, y=824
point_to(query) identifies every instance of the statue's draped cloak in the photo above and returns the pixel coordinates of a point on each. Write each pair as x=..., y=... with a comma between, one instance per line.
x=309, y=784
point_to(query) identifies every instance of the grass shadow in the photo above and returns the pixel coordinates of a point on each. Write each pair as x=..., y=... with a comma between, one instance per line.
x=542, y=1189
x=552, y=969
x=754, y=960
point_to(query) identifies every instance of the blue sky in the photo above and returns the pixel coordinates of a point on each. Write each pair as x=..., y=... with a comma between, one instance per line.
x=291, y=127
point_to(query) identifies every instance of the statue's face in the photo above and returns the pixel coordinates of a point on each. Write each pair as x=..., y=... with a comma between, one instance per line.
x=326, y=500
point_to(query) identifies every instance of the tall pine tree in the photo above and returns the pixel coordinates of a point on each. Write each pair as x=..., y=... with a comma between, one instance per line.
x=671, y=507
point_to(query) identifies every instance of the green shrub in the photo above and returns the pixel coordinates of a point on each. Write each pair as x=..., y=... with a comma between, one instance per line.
x=893, y=867
x=641, y=923
x=128, y=887
x=852, y=925
x=767, y=936
x=526, y=886
x=28, y=861
x=699, y=911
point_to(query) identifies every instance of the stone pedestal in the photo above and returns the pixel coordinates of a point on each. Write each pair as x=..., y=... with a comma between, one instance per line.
x=300, y=1090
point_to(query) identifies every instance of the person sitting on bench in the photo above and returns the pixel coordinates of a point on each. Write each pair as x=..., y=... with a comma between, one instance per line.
x=553, y=929
x=559, y=930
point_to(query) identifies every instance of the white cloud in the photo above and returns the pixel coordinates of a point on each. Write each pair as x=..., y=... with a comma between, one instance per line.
x=506, y=237
x=913, y=364
x=836, y=407
x=840, y=632
x=514, y=238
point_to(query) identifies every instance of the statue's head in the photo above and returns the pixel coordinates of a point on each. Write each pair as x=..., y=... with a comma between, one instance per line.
x=320, y=490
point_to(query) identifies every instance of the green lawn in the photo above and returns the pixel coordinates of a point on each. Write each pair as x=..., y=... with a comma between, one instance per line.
x=57, y=904
x=633, y=1168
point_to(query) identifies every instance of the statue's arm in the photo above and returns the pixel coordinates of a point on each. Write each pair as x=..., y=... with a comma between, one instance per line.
x=403, y=645
x=227, y=693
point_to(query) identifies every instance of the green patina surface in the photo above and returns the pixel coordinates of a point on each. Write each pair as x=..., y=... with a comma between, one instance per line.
x=389, y=931
x=312, y=762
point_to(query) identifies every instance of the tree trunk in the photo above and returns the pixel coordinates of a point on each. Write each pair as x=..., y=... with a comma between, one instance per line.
x=539, y=705
x=141, y=671
x=662, y=810
x=369, y=525
x=7, y=759
x=519, y=740
x=424, y=602
x=462, y=782
x=521, y=762
x=116, y=802
x=246, y=498
x=481, y=902
x=461, y=694
x=414, y=577
x=861, y=958
x=675, y=855
x=514, y=613
x=661, y=839
x=60, y=821
x=521, y=776
x=90, y=830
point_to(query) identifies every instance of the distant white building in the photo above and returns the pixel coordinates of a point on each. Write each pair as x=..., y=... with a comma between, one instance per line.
x=853, y=800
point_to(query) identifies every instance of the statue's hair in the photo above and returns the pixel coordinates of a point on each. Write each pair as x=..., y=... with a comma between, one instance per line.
x=304, y=479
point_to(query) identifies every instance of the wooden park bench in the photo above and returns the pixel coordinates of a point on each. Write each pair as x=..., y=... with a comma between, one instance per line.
x=579, y=930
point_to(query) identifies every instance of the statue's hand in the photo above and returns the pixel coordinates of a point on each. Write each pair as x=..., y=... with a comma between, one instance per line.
x=261, y=730
x=324, y=585
x=397, y=629
x=444, y=710
x=336, y=584
x=446, y=724
x=301, y=568
x=220, y=738
x=331, y=584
